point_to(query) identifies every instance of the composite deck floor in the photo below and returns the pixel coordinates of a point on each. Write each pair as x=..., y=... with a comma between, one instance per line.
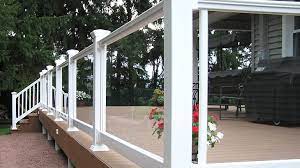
x=29, y=150
x=243, y=140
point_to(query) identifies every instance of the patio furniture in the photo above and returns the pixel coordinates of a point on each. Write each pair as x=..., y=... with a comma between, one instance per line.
x=273, y=93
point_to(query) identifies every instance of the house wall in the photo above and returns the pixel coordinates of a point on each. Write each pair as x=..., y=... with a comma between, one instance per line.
x=267, y=42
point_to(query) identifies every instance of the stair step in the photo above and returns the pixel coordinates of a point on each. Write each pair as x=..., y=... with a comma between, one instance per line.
x=33, y=115
x=24, y=121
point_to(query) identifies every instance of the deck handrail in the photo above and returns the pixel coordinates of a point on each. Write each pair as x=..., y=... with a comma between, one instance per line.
x=64, y=107
x=142, y=20
x=25, y=102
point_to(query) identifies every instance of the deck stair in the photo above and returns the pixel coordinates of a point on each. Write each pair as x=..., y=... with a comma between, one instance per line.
x=24, y=106
x=30, y=123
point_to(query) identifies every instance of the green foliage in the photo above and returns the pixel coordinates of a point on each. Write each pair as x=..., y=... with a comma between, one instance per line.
x=157, y=98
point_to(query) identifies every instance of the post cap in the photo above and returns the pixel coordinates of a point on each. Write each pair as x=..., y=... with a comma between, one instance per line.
x=72, y=52
x=49, y=67
x=13, y=93
x=44, y=71
x=60, y=60
x=99, y=33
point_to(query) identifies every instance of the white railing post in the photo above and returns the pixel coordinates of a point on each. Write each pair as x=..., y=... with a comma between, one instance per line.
x=178, y=47
x=99, y=93
x=49, y=88
x=58, y=93
x=72, y=90
x=203, y=86
x=41, y=90
x=44, y=90
x=13, y=109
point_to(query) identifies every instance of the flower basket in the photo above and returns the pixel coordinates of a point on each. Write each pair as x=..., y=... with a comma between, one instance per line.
x=82, y=98
x=81, y=103
x=156, y=115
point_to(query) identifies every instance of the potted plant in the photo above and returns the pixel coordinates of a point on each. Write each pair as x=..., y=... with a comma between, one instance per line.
x=156, y=115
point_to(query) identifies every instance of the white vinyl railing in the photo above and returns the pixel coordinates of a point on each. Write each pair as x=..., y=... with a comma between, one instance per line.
x=178, y=58
x=25, y=102
x=63, y=105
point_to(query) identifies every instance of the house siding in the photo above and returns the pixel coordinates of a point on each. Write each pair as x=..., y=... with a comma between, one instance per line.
x=274, y=36
x=267, y=40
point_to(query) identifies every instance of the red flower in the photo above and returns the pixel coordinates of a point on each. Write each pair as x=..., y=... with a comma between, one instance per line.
x=196, y=107
x=152, y=111
x=160, y=124
x=195, y=129
x=195, y=116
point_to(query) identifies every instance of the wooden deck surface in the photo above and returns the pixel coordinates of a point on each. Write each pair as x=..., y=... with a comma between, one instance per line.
x=243, y=140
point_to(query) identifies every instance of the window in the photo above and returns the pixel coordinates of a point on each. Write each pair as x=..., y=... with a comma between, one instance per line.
x=296, y=36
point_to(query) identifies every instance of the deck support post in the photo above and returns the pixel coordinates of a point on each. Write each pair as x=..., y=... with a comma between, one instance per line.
x=99, y=94
x=44, y=131
x=49, y=87
x=58, y=91
x=70, y=164
x=178, y=48
x=13, y=110
x=49, y=138
x=203, y=85
x=72, y=89
x=56, y=146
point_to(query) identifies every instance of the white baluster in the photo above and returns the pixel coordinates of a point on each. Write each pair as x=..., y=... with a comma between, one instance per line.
x=18, y=106
x=72, y=90
x=26, y=100
x=65, y=104
x=22, y=104
x=38, y=92
x=30, y=98
x=33, y=93
x=99, y=104
x=14, y=105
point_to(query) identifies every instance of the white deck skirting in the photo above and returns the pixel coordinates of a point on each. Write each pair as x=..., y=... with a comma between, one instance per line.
x=293, y=163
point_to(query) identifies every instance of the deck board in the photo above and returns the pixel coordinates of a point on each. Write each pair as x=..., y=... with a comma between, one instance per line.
x=243, y=140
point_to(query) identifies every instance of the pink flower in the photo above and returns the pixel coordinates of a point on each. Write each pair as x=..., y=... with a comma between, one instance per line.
x=152, y=112
x=160, y=124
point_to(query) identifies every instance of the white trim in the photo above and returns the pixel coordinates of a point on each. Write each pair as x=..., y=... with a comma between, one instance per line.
x=253, y=6
x=29, y=86
x=203, y=86
x=142, y=20
x=287, y=36
x=27, y=112
x=72, y=90
x=86, y=51
x=87, y=128
x=290, y=163
x=296, y=31
x=99, y=89
x=134, y=153
x=178, y=83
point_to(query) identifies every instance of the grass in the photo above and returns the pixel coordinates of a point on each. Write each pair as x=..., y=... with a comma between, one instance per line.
x=4, y=129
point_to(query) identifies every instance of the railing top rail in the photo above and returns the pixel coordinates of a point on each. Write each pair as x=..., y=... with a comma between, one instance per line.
x=29, y=86
x=86, y=51
x=142, y=20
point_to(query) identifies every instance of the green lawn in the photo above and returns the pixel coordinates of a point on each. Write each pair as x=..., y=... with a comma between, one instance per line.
x=4, y=129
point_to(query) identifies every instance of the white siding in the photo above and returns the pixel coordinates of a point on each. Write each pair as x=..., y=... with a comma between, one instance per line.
x=267, y=31
x=274, y=36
